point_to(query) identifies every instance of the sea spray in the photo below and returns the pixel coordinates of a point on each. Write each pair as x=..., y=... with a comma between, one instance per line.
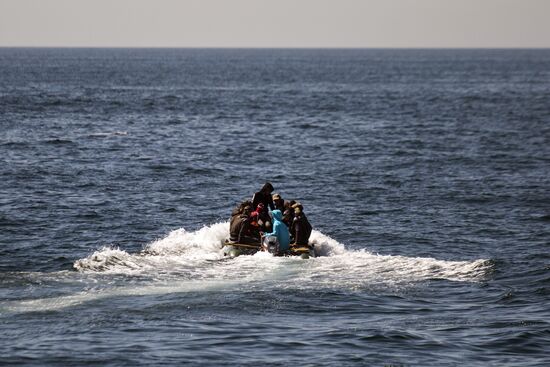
x=199, y=255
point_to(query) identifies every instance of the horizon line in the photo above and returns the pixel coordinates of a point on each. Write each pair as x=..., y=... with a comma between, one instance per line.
x=293, y=47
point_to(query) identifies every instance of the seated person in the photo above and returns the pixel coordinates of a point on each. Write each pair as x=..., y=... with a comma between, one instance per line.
x=280, y=232
x=240, y=208
x=241, y=230
x=264, y=196
x=301, y=229
x=262, y=218
x=288, y=215
x=278, y=202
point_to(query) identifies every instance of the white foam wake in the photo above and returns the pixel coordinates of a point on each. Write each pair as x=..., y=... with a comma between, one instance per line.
x=180, y=252
x=194, y=262
x=194, y=255
x=177, y=250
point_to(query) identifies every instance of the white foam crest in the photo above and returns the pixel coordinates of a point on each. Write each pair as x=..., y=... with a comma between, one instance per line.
x=177, y=251
x=324, y=245
x=180, y=250
x=104, y=258
x=207, y=239
x=108, y=134
x=354, y=269
x=198, y=255
x=177, y=268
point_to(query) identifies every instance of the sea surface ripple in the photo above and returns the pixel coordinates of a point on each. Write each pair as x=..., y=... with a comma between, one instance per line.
x=425, y=174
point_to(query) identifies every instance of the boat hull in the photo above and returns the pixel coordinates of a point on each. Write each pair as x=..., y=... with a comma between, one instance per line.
x=232, y=249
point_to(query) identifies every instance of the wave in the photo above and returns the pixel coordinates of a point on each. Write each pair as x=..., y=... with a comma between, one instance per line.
x=184, y=262
x=199, y=255
x=58, y=141
x=107, y=134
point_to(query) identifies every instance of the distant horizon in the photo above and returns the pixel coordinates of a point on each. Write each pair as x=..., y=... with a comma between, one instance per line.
x=274, y=48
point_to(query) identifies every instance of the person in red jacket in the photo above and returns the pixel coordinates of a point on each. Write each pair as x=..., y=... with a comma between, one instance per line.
x=261, y=217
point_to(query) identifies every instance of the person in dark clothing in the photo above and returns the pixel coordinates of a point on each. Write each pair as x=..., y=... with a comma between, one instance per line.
x=288, y=214
x=264, y=196
x=301, y=229
x=278, y=202
x=239, y=209
x=241, y=230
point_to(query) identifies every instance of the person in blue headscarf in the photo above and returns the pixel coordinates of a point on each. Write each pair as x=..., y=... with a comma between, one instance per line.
x=279, y=234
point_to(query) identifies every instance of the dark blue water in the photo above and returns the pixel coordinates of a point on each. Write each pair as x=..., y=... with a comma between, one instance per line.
x=425, y=174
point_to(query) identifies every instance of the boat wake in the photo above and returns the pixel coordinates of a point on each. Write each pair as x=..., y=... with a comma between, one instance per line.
x=185, y=262
x=199, y=255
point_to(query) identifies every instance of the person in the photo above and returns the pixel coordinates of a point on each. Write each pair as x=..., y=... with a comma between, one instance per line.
x=278, y=202
x=301, y=228
x=288, y=213
x=255, y=217
x=279, y=234
x=262, y=218
x=255, y=227
x=239, y=209
x=241, y=230
x=264, y=196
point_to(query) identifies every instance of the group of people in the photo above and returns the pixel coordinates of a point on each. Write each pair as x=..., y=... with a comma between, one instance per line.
x=269, y=220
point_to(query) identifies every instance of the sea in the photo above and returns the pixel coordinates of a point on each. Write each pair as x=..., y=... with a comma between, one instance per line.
x=424, y=173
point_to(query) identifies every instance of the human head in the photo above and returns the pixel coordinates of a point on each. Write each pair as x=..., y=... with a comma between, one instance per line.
x=276, y=214
x=267, y=188
x=297, y=208
x=244, y=204
x=277, y=199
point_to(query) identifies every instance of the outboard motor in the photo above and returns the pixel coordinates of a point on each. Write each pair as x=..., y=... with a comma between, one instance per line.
x=271, y=245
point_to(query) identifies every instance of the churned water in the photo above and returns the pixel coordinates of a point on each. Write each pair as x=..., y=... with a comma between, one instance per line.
x=425, y=174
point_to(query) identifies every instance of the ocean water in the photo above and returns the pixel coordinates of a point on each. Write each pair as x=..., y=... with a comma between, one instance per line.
x=425, y=174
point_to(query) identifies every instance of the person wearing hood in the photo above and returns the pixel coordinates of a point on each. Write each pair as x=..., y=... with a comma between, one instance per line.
x=262, y=199
x=264, y=196
x=280, y=231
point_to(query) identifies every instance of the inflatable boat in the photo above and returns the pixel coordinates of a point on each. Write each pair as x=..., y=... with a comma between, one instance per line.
x=233, y=249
